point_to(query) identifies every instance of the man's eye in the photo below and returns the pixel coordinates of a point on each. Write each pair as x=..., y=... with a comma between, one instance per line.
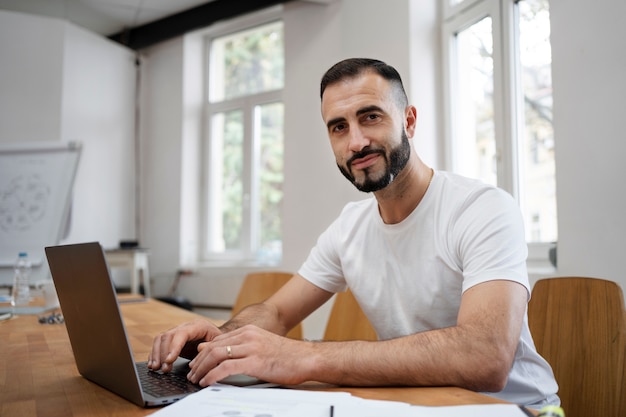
x=339, y=127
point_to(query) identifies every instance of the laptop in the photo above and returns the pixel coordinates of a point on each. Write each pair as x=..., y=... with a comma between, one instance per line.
x=98, y=337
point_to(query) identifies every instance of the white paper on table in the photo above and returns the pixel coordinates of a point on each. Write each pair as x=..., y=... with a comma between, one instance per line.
x=225, y=400
x=475, y=410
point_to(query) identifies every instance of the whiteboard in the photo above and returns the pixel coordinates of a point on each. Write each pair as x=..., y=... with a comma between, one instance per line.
x=36, y=180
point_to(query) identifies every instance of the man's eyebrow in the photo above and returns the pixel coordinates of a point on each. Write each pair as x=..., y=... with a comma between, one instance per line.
x=359, y=112
x=334, y=121
x=369, y=109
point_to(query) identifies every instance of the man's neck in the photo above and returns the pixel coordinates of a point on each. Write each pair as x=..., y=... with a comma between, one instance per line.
x=403, y=195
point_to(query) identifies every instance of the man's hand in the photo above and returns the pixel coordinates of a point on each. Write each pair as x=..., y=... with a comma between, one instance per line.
x=252, y=351
x=182, y=341
x=262, y=349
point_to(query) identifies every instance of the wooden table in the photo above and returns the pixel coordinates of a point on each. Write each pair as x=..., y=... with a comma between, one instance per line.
x=38, y=376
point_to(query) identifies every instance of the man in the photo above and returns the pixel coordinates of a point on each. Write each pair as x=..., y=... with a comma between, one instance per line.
x=436, y=261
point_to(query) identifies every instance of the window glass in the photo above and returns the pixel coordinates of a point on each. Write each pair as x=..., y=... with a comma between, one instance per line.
x=270, y=120
x=227, y=194
x=475, y=143
x=499, y=114
x=247, y=62
x=537, y=171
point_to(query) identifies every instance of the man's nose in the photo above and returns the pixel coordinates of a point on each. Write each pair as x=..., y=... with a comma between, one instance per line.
x=358, y=140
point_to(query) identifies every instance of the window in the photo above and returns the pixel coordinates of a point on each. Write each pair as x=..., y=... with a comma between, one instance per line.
x=244, y=145
x=537, y=169
x=499, y=103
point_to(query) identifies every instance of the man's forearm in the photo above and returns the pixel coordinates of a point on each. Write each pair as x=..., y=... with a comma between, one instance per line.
x=435, y=358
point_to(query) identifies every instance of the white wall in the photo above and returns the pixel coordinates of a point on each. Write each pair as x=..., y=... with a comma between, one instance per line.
x=161, y=142
x=425, y=89
x=589, y=73
x=98, y=109
x=59, y=82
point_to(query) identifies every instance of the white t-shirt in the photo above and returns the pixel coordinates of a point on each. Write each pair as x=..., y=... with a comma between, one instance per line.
x=409, y=277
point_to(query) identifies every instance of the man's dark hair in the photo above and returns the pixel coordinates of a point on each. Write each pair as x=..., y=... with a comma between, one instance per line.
x=352, y=67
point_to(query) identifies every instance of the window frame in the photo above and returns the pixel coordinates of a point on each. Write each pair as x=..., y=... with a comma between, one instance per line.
x=248, y=104
x=507, y=96
x=505, y=128
x=451, y=10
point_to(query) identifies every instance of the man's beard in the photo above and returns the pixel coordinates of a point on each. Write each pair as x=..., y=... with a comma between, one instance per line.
x=395, y=162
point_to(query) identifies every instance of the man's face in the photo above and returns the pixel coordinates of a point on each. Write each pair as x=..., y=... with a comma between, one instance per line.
x=366, y=131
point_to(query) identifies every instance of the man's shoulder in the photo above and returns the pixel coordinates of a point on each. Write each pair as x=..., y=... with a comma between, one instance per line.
x=461, y=187
x=451, y=179
x=354, y=213
x=358, y=206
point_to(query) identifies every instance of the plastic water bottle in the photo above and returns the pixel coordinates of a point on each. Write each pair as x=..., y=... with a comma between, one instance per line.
x=20, y=295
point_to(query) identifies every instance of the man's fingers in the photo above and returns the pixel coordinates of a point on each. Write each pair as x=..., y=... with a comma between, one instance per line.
x=154, y=359
x=165, y=349
x=170, y=348
x=179, y=341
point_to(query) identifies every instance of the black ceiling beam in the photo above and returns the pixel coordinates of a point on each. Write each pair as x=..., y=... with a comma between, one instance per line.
x=195, y=18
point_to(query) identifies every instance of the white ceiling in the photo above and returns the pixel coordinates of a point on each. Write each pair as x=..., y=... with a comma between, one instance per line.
x=105, y=17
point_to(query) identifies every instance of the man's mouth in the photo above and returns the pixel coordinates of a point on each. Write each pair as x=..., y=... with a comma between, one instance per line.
x=365, y=161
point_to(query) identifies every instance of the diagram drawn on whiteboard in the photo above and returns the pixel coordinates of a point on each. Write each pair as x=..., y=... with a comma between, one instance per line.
x=23, y=202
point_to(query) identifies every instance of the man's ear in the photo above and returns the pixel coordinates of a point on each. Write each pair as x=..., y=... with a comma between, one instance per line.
x=410, y=120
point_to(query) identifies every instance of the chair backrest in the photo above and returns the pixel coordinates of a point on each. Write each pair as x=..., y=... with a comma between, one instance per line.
x=347, y=321
x=258, y=287
x=579, y=327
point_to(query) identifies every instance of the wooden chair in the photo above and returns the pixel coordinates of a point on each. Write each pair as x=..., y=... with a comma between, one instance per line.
x=579, y=327
x=347, y=321
x=258, y=287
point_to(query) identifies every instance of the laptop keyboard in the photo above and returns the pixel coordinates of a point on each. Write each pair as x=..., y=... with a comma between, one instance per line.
x=160, y=384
